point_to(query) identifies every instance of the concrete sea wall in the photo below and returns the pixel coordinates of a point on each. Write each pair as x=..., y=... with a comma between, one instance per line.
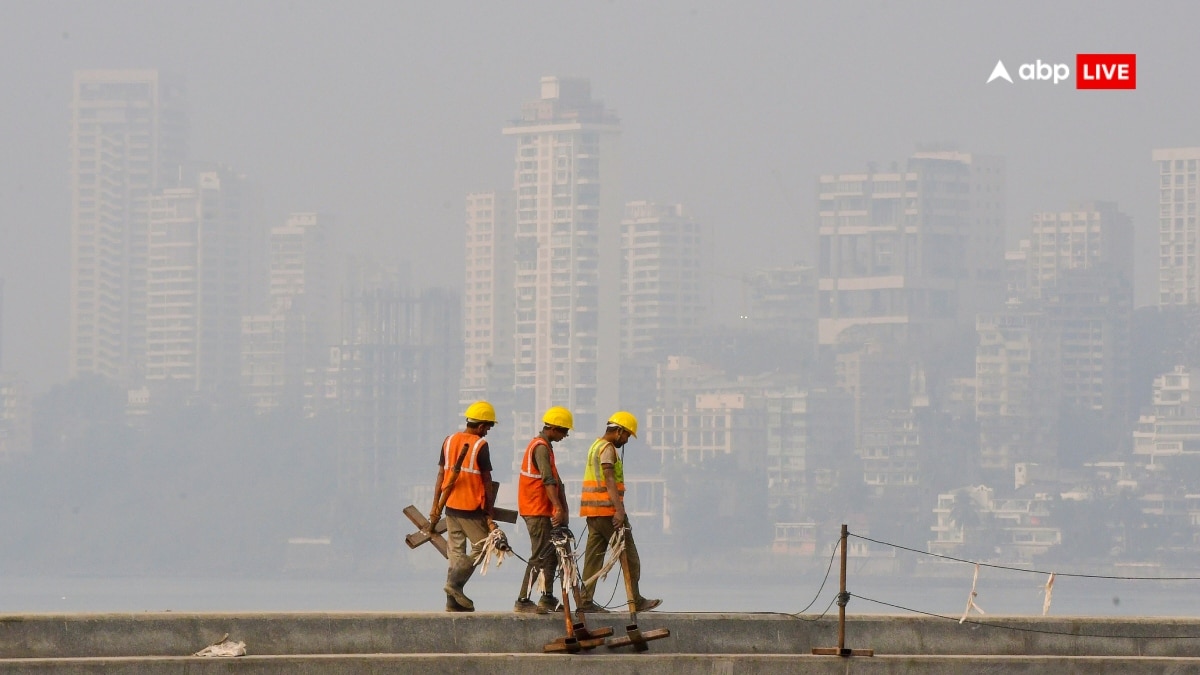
x=155, y=642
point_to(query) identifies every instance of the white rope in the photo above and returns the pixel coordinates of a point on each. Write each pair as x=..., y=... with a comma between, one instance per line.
x=567, y=568
x=617, y=546
x=1049, y=592
x=971, y=598
x=537, y=580
x=495, y=543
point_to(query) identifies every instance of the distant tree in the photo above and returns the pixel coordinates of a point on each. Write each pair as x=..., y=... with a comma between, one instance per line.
x=1162, y=338
x=964, y=512
x=981, y=532
x=1086, y=537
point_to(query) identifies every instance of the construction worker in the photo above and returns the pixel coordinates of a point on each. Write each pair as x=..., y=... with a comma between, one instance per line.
x=468, y=503
x=542, y=500
x=603, y=504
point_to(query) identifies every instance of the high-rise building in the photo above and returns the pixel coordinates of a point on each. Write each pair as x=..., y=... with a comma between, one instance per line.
x=1091, y=312
x=282, y=346
x=1178, y=233
x=663, y=295
x=1016, y=271
x=1080, y=273
x=197, y=274
x=1083, y=237
x=1017, y=368
x=918, y=250
x=128, y=138
x=809, y=433
x=397, y=374
x=567, y=282
x=783, y=304
x=488, y=301
x=16, y=416
x=298, y=265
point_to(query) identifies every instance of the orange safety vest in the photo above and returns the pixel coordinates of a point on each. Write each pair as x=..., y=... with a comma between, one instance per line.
x=595, y=500
x=469, y=493
x=532, y=499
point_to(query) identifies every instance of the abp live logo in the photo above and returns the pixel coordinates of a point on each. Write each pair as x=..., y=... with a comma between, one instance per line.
x=1092, y=71
x=1106, y=71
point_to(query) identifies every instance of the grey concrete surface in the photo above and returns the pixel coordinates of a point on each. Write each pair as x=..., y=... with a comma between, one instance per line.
x=503, y=642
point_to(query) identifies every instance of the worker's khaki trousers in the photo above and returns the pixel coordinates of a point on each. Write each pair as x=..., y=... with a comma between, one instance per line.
x=461, y=530
x=542, y=557
x=600, y=530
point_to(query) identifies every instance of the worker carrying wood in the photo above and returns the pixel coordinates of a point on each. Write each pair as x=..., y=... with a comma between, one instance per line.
x=464, y=472
x=603, y=504
x=542, y=502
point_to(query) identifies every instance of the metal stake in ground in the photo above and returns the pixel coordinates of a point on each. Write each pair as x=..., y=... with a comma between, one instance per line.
x=842, y=600
x=633, y=634
x=578, y=636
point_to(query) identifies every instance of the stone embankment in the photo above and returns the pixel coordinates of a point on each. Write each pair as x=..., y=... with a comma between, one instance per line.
x=136, y=644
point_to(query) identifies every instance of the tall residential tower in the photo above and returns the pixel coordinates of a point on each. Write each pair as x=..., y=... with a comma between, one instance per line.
x=918, y=250
x=1178, y=234
x=488, y=306
x=197, y=279
x=567, y=283
x=128, y=137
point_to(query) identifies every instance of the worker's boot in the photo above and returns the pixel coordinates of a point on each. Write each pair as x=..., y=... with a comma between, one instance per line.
x=548, y=603
x=456, y=578
x=453, y=606
x=646, y=604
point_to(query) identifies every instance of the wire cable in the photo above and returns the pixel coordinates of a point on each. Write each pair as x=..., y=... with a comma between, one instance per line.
x=828, y=569
x=1021, y=569
x=1028, y=630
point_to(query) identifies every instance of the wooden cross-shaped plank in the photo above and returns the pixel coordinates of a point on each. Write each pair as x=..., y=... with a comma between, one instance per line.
x=423, y=533
x=437, y=536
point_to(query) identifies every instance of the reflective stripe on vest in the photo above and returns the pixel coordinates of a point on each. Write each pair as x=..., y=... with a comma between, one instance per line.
x=595, y=500
x=532, y=499
x=468, y=493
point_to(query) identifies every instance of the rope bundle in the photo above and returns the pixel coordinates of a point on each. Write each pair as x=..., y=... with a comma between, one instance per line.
x=616, y=546
x=495, y=544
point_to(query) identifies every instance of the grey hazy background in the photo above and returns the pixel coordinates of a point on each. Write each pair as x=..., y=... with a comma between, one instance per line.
x=385, y=114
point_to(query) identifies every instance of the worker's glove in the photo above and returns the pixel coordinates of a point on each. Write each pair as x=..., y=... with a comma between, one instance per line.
x=502, y=541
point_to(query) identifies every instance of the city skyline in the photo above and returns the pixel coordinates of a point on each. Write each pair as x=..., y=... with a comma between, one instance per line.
x=837, y=275
x=395, y=175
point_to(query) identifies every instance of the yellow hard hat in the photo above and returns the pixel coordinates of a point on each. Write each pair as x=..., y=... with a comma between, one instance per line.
x=558, y=417
x=481, y=411
x=626, y=421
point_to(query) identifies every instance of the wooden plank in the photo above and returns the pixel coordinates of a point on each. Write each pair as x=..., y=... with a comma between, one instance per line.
x=422, y=534
x=601, y=632
x=568, y=644
x=598, y=634
x=834, y=651
x=561, y=645
x=647, y=635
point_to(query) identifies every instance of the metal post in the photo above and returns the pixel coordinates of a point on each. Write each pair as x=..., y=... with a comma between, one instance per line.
x=843, y=599
x=842, y=594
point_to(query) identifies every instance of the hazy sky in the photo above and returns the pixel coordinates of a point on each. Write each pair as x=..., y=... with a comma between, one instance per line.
x=385, y=114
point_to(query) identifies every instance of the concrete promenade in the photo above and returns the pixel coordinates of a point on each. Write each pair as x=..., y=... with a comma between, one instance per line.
x=161, y=642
